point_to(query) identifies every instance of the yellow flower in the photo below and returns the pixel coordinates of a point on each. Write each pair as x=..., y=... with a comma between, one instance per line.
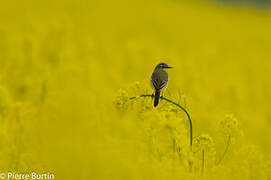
x=229, y=125
x=203, y=142
x=121, y=101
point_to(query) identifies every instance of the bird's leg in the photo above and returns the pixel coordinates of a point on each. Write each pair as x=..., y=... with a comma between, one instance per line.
x=152, y=96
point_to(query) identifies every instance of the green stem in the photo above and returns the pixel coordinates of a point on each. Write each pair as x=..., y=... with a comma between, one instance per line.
x=188, y=116
x=178, y=105
x=226, y=150
x=202, y=163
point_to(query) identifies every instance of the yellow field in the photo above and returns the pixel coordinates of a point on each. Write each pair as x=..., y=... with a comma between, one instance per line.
x=68, y=68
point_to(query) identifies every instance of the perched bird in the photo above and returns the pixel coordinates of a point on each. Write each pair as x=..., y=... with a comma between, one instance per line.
x=159, y=80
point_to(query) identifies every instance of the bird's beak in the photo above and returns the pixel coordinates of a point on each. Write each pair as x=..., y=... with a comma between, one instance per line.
x=169, y=67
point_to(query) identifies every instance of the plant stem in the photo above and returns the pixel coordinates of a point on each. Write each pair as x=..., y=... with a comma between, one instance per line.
x=202, y=163
x=226, y=150
x=188, y=116
x=178, y=105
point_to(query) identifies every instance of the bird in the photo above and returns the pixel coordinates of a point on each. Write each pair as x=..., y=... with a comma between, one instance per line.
x=159, y=80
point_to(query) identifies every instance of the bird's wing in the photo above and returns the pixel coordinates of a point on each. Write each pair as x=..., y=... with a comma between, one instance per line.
x=159, y=80
x=154, y=81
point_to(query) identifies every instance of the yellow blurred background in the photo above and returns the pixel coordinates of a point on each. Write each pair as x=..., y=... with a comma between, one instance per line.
x=62, y=64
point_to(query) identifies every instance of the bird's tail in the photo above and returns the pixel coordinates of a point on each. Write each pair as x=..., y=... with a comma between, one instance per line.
x=156, y=98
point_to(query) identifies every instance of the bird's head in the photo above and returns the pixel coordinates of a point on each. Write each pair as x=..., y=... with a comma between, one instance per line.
x=162, y=66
